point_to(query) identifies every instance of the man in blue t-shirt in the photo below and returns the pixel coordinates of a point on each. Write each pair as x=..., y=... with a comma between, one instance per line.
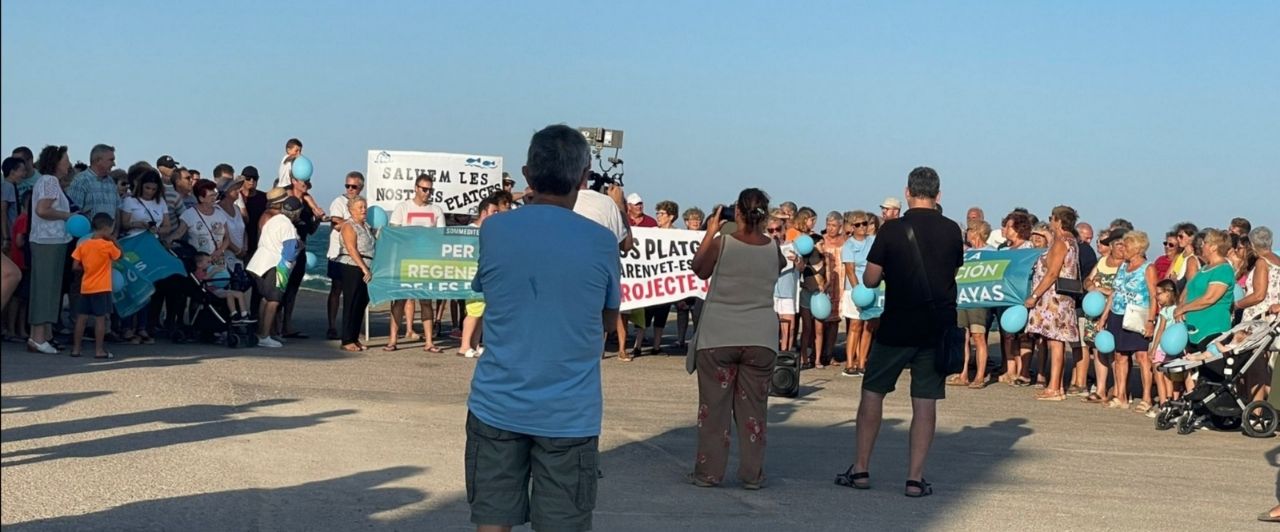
x=551, y=281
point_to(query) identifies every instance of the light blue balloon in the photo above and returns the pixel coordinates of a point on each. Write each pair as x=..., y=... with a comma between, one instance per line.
x=1238, y=293
x=804, y=244
x=377, y=217
x=302, y=168
x=1174, y=339
x=1094, y=304
x=863, y=297
x=117, y=280
x=1105, y=342
x=312, y=260
x=820, y=306
x=1014, y=319
x=78, y=226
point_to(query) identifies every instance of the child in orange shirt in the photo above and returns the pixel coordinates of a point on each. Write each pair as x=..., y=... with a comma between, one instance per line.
x=94, y=256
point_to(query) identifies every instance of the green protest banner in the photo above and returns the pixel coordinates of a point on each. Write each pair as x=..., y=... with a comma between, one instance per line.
x=425, y=263
x=992, y=279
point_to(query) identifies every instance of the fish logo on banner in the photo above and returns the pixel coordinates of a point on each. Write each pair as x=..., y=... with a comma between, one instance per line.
x=382, y=158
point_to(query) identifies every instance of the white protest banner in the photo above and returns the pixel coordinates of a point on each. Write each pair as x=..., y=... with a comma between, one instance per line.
x=660, y=268
x=461, y=180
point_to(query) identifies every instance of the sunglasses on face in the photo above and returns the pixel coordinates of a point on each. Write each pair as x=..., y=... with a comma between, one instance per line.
x=772, y=230
x=251, y=178
x=860, y=224
x=1171, y=244
x=353, y=187
x=426, y=189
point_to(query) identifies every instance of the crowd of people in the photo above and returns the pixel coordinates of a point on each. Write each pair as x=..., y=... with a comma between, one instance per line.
x=226, y=227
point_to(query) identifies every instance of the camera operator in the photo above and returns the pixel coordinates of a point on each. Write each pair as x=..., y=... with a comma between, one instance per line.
x=606, y=208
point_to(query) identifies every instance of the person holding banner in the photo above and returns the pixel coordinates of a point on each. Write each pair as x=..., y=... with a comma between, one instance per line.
x=354, y=257
x=142, y=212
x=337, y=215
x=535, y=408
x=416, y=212
x=656, y=316
x=735, y=347
x=688, y=309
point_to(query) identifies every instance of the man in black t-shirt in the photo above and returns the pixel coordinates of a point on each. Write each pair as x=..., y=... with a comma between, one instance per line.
x=917, y=307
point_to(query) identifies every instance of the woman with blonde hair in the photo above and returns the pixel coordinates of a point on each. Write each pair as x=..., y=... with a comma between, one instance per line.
x=1130, y=319
x=802, y=223
x=861, y=323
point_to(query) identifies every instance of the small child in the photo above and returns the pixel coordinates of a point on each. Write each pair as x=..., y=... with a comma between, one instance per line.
x=1167, y=299
x=237, y=301
x=93, y=256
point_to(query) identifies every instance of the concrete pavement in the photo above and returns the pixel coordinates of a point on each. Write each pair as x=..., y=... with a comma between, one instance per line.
x=311, y=438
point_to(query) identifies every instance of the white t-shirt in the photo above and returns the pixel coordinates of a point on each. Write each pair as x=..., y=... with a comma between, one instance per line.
x=338, y=209
x=283, y=180
x=205, y=231
x=409, y=213
x=275, y=233
x=601, y=209
x=144, y=211
x=49, y=231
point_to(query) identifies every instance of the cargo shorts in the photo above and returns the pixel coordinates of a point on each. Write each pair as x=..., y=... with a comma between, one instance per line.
x=885, y=364
x=500, y=465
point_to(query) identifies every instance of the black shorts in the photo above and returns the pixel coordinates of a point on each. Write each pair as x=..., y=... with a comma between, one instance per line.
x=500, y=465
x=335, y=271
x=266, y=285
x=94, y=304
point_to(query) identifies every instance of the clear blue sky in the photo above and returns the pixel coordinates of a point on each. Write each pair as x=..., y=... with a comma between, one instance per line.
x=1156, y=111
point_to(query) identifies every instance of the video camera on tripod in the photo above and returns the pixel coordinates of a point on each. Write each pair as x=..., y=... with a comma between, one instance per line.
x=600, y=139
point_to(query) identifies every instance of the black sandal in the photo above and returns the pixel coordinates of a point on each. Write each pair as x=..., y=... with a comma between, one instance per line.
x=926, y=489
x=849, y=479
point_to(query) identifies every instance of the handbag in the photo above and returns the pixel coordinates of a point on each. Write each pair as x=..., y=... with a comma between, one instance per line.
x=1072, y=288
x=1135, y=318
x=949, y=354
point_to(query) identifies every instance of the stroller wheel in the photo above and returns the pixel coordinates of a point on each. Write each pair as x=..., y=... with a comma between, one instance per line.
x=233, y=341
x=1167, y=418
x=1188, y=423
x=1225, y=423
x=1260, y=420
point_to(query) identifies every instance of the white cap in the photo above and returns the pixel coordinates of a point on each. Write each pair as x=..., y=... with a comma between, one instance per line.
x=634, y=199
x=891, y=203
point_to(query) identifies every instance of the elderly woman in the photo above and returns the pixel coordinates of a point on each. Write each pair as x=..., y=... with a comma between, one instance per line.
x=355, y=258
x=862, y=323
x=656, y=316
x=974, y=320
x=831, y=246
x=1016, y=229
x=1261, y=294
x=688, y=309
x=1053, y=315
x=1130, y=317
x=49, y=239
x=206, y=224
x=735, y=347
x=1207, y=307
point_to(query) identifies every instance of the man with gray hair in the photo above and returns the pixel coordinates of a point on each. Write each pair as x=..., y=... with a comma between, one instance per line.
x=93, y=189
x=535, y=407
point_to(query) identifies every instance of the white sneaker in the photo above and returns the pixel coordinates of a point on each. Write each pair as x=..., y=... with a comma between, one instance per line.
x=42, y=347
x=471, y=353
x=479, y=352
x=269, y=342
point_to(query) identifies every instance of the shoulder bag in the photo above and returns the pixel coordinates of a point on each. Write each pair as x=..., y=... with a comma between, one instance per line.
x=949, y=354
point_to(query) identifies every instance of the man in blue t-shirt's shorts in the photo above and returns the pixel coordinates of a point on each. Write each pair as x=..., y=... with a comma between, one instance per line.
x=551, y=281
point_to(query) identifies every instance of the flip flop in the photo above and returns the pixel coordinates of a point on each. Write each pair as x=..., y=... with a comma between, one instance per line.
x=390, y=347
x=433, y=349
x=978, y=385
x=1266, y=517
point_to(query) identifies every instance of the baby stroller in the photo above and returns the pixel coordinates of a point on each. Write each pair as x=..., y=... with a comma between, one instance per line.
x=208, y=318
x=1217, y=398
